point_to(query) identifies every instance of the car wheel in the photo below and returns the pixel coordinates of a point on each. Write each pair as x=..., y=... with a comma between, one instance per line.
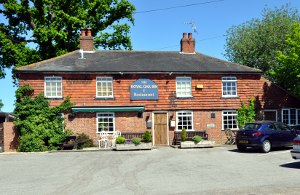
x=266, y=146
x=241, y=148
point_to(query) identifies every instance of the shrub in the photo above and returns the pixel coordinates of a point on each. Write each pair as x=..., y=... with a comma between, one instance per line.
x=120, y=140
x=197, y=138
x=183, y=135
x=147, y=137
x=29, y=143
x=40, y=125
x=136, y=140
x=84, y=141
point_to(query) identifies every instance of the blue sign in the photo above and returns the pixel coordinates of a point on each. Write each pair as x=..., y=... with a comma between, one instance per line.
x=143, y=89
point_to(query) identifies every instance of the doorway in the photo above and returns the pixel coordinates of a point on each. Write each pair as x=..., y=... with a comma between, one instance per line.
x=160, y=129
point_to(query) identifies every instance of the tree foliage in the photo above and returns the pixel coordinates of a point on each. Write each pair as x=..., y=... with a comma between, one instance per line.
x=255, y=43
x=287, y=74
x=38, y=30
x=246, y=113
x=1, y=104
x=40, y=126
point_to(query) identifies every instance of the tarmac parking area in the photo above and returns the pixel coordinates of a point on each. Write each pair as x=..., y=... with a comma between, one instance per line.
x=220, y=170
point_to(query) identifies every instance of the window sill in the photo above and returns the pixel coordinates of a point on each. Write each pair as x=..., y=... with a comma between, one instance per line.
x=104, y=98
x=54, y=98
x=181, y=130
x=230, y=97
x=187, y=97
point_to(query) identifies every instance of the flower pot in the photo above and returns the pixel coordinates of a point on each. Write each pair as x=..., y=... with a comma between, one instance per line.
x=201, y=144
x=131, y=146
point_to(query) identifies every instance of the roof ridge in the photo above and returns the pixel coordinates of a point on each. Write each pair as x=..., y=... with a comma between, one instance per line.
x=233, y=63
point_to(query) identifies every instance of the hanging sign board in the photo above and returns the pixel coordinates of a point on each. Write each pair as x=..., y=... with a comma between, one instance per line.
x=143, y=89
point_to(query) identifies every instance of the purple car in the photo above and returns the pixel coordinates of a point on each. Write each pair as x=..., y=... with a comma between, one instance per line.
x=265, y=135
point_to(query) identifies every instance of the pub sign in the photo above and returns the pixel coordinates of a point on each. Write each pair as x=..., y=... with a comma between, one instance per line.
x=143, y=89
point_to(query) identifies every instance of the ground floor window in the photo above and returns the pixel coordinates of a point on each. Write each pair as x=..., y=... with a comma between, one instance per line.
x=229, y=119
x=105, y=122
x=291, y=116
x=270, y=115
x=184, y=120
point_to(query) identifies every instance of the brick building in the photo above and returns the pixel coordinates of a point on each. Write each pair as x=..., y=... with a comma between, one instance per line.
x=163, y=92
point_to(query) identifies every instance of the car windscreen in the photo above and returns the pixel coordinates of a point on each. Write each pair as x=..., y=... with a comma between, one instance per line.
x=251, y=126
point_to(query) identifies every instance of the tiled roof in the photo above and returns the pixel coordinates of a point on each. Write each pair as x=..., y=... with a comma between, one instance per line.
x=136, y=62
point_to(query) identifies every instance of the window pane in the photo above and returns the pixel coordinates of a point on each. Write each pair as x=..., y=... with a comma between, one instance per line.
x=105, y=122
x=230, y=120
x=229, y=86
x=104, y=87
x=183, y=87
x=53, y=87
x=184, y=120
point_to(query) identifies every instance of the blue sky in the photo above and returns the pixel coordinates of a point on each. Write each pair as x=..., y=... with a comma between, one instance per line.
x=162, y=30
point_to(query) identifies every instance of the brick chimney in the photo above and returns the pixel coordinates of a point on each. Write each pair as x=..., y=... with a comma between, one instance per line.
x=86, y=40
x=187, y=44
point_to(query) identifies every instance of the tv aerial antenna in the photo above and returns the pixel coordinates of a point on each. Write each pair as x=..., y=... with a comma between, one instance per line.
x=193, y=26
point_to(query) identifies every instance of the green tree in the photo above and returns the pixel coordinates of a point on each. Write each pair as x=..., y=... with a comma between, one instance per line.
x=39, y=30
x=1, y=104
x=246, y=113
x=40, y=126
x=287, y=74
x=255, y=43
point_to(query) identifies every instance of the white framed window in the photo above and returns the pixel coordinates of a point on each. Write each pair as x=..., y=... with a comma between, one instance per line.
x=229, y=87
x=106, y=122
x=53, y=87
x=229, y=119
x=290, y=116
x=184, y=120
x=104, y=87
x=183, y=86
x=270, y=115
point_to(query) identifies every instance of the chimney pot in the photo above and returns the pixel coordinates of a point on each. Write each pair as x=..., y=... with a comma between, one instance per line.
x=89, y=32
x=184, y=36
x=190, y=36
x=83, y=32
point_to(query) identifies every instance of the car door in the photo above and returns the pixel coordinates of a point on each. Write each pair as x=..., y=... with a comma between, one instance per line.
x=274, y=134
x=286, y=134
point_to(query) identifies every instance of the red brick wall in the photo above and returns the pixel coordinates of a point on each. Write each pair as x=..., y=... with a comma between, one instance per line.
x=87, y=123
x=10, y=143
x=82, y=90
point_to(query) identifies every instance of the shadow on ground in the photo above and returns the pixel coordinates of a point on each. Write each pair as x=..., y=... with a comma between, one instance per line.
x=257, y=150
x=292, y=165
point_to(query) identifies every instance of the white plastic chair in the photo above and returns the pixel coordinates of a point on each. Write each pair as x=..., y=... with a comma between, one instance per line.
x=103, y=139
x=115, y=135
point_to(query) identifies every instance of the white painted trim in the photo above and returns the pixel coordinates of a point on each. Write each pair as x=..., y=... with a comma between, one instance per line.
x=186, y=96
x=237, y=124
x=112, y=87
x=114, y=122
x=176, y=128
x=271, y=110
x=61, y=86
x=236, y=86
x=289, y=115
